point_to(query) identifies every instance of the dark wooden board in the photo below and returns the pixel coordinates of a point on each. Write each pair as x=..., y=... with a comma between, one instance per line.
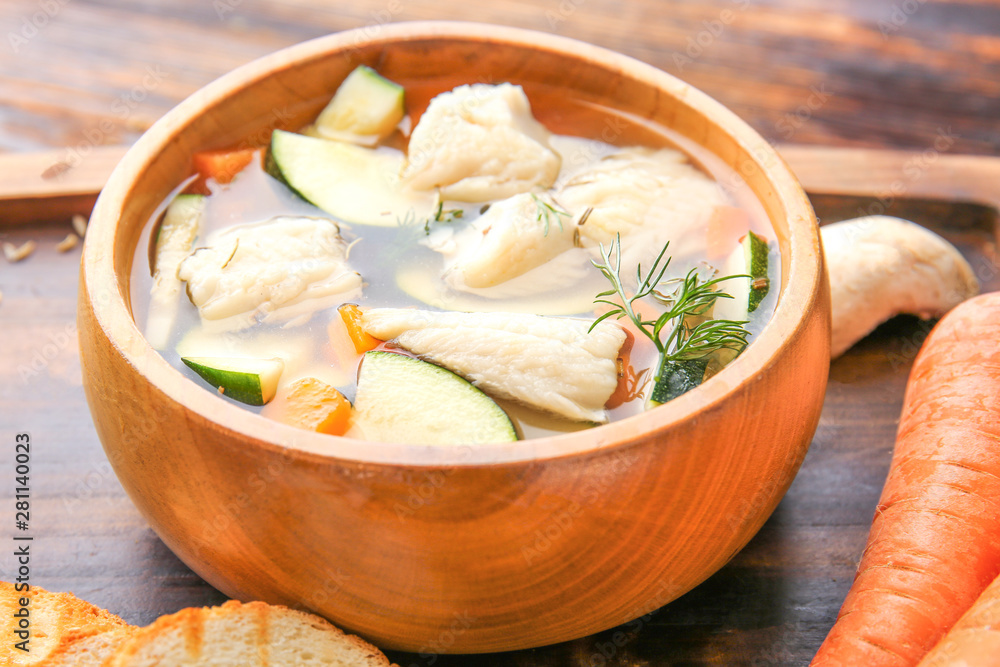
x=845, y=72
x=772, y=605
x=822, y=74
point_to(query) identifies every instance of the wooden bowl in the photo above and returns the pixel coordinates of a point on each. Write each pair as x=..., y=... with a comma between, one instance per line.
x=479, y=549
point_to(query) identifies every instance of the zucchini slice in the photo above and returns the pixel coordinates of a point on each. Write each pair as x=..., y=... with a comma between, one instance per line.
x=748, y=259
x=170, y=244
x=250, y=381
x=355, y=184
x=676, y=378
x=366, y=108
x=403, y=399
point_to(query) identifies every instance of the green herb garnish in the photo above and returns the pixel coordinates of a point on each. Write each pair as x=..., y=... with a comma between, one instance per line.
x=548, y=212
x=680, y=333
x=441, y=215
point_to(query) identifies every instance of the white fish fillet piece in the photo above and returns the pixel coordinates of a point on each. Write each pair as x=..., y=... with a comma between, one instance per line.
x=514, y=236
x=479, y=143
x=550, y=363
x=262, y=268
x=647, y=196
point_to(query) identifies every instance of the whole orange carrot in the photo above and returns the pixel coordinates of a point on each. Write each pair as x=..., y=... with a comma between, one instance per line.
x=934, y=543
x=975, y=640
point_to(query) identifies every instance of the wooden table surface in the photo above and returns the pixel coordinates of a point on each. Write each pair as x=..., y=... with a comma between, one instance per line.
x=75, y=74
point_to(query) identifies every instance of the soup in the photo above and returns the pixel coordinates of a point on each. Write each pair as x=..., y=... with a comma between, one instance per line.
x=393, y=274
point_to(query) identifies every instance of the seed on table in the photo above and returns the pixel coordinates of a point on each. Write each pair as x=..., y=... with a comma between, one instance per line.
x=68, y=243
x=15, y=253
x=80, y=225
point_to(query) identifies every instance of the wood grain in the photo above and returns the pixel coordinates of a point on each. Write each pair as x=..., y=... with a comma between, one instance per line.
x=771, y=605
x=574, y=534
x=53, y=185
x=72, y=85
x=846, y=73
x=773, y=599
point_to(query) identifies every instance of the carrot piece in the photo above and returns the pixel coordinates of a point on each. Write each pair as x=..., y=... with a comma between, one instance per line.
x=934, y=543
x=726, y=226
x=313, y=405
x=630, y=383
x=975, y=639
x=363, y=341
x=222, y=165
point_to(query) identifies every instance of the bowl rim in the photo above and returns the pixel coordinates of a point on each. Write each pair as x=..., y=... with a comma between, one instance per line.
x=801, y=280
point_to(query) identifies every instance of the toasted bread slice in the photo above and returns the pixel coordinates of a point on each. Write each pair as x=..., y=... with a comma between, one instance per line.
x=52, y=617
x=250, y=635
x=87, y=650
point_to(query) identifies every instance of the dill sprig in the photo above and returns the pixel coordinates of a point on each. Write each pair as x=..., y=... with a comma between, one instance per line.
x=441, y=214
x=691, y=298
x=547, y=212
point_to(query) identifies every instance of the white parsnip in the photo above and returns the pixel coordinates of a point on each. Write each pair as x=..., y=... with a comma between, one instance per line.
x=881, y=266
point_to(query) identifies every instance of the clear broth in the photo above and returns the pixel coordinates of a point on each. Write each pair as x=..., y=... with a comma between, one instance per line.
x=379, y=253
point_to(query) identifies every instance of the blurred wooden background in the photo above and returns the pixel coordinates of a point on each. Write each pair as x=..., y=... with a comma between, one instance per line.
x=846, y=72
x=891, y=73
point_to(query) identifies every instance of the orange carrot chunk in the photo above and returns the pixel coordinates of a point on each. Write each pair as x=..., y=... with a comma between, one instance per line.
x=313, y=405
x=934, y=544
x=975, y=639
x=362, y=340
x=726, y=226
x=222, y=165
x=629, y=382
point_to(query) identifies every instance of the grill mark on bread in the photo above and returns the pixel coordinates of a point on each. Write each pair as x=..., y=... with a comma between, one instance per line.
x=193, y=629
x=74, y=633
x=263, y=632
x=57, y=619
